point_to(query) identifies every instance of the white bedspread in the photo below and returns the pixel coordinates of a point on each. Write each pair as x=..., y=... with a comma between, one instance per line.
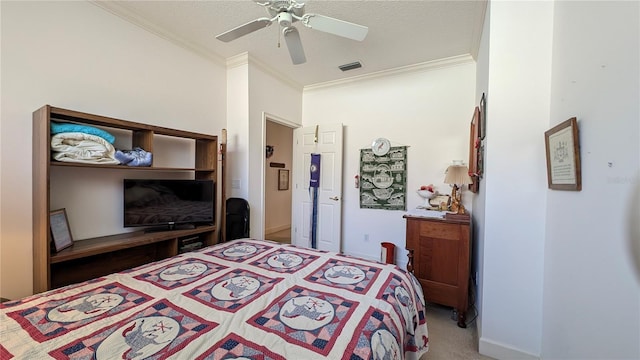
x=244, y=299
x=82, y=148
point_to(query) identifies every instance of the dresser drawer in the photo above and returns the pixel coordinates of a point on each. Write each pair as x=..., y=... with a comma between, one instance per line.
x=439, y=230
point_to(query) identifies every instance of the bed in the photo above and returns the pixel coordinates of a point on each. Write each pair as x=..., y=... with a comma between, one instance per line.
x=246, y=298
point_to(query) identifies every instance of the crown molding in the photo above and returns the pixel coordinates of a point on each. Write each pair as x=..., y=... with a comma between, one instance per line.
x=116, y=9
x=419, y=67
x=244, y=58
x=238, y=60
x=247, y=59
x=478, y=28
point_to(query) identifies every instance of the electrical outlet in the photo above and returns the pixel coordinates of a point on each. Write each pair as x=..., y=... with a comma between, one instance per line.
x=366, y=237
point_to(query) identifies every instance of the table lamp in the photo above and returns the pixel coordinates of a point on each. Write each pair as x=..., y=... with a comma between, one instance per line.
x=457, y=175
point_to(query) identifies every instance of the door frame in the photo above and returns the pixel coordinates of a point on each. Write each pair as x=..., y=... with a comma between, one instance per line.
x=327, y=143
x=282, y=121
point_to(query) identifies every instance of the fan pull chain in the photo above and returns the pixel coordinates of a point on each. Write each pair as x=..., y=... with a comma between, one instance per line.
x=278, y=37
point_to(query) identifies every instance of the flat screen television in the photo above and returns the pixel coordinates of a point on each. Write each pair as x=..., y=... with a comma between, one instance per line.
x=168, y=204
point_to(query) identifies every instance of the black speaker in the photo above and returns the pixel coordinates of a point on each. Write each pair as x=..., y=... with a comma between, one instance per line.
x=237, y=218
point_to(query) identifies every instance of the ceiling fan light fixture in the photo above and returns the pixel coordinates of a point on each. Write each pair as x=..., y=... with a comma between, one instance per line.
x=285, y=19
x=350, y=66
x=287, y=12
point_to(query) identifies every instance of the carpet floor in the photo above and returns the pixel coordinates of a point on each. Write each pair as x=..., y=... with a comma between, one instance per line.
x=446, y=340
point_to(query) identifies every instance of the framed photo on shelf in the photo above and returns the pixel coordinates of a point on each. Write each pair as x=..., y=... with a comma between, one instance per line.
x=283, y=179
x=60, y=231
x=440, y=202
x=563, y=156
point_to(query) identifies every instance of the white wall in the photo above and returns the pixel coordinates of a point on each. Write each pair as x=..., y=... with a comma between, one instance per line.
x=271, y=95
x=255, y=92
x=75, y=55
x=237, y=171
x=477, y=256
x=591, y=293
x=426, y=108
x=519, y=76
x=557, y=273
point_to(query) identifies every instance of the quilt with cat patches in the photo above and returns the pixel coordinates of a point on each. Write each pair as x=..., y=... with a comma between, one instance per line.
x=247, y=298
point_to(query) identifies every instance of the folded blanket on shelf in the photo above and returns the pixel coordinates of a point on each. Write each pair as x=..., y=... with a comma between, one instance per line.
x=82, y=148
x=135, y=157
x=57, y=128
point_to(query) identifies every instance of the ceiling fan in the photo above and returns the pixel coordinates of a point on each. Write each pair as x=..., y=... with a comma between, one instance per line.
x=287, y=12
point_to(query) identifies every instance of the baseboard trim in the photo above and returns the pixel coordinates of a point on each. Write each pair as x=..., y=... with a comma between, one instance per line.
x=500, y=351
x=362, y=256
x=401, y=264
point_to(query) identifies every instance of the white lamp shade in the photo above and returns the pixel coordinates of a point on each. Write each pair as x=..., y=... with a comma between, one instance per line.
x=457, y=174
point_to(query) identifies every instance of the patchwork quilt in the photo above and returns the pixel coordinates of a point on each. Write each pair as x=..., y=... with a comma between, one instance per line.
x=248, y=299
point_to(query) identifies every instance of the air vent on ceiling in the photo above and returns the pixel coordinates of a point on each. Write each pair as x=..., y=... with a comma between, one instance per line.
x=350, y=66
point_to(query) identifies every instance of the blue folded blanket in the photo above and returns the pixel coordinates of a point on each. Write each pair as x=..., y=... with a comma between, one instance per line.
x=135, y=157
x=57, y=128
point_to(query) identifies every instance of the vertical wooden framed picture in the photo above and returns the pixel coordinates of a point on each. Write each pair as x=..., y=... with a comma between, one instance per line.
x=60, y=231
x=283, y=179
x=563, y=156
x=474, y=144
x=482, y=132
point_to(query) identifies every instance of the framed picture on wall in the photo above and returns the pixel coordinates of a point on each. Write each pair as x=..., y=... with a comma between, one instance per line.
x=482, y=132
x=60, y=231
x=563, y=156
x=283, y=179
x=474, y=146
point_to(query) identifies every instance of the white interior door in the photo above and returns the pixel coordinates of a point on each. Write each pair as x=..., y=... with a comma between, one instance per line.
x=325, y=140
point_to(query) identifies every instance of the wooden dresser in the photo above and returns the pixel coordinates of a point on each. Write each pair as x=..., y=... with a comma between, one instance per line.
x=439, y=256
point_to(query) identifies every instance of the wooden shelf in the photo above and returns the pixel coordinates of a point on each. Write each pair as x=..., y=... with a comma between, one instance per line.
x=99, y=256
x=124, y=167
x=57, y=113
x=104, y=244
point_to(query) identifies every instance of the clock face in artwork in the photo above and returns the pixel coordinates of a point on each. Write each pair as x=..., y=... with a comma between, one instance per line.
x=380, y=146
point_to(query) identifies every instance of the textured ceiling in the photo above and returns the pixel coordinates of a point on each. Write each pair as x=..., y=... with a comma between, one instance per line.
x=401, y=33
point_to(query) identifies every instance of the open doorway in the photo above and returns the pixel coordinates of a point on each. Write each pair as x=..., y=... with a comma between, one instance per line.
x=278, y=181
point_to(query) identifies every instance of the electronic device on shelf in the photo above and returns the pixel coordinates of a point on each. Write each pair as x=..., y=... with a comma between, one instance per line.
x=189, y=243
x=168, y=204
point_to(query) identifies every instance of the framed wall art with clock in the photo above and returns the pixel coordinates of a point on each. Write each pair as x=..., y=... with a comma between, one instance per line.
x=383, y=178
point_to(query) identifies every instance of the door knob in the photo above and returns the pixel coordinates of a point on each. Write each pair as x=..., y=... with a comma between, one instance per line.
x=334, y=198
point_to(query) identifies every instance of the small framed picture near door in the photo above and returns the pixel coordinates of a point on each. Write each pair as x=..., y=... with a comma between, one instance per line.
x=563, y=156
x=283, y=179
x=60, y=231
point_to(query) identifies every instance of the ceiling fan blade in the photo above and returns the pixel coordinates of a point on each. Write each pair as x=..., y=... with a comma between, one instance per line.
x=292, y=38
x=335, y=26
x=243, y=30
